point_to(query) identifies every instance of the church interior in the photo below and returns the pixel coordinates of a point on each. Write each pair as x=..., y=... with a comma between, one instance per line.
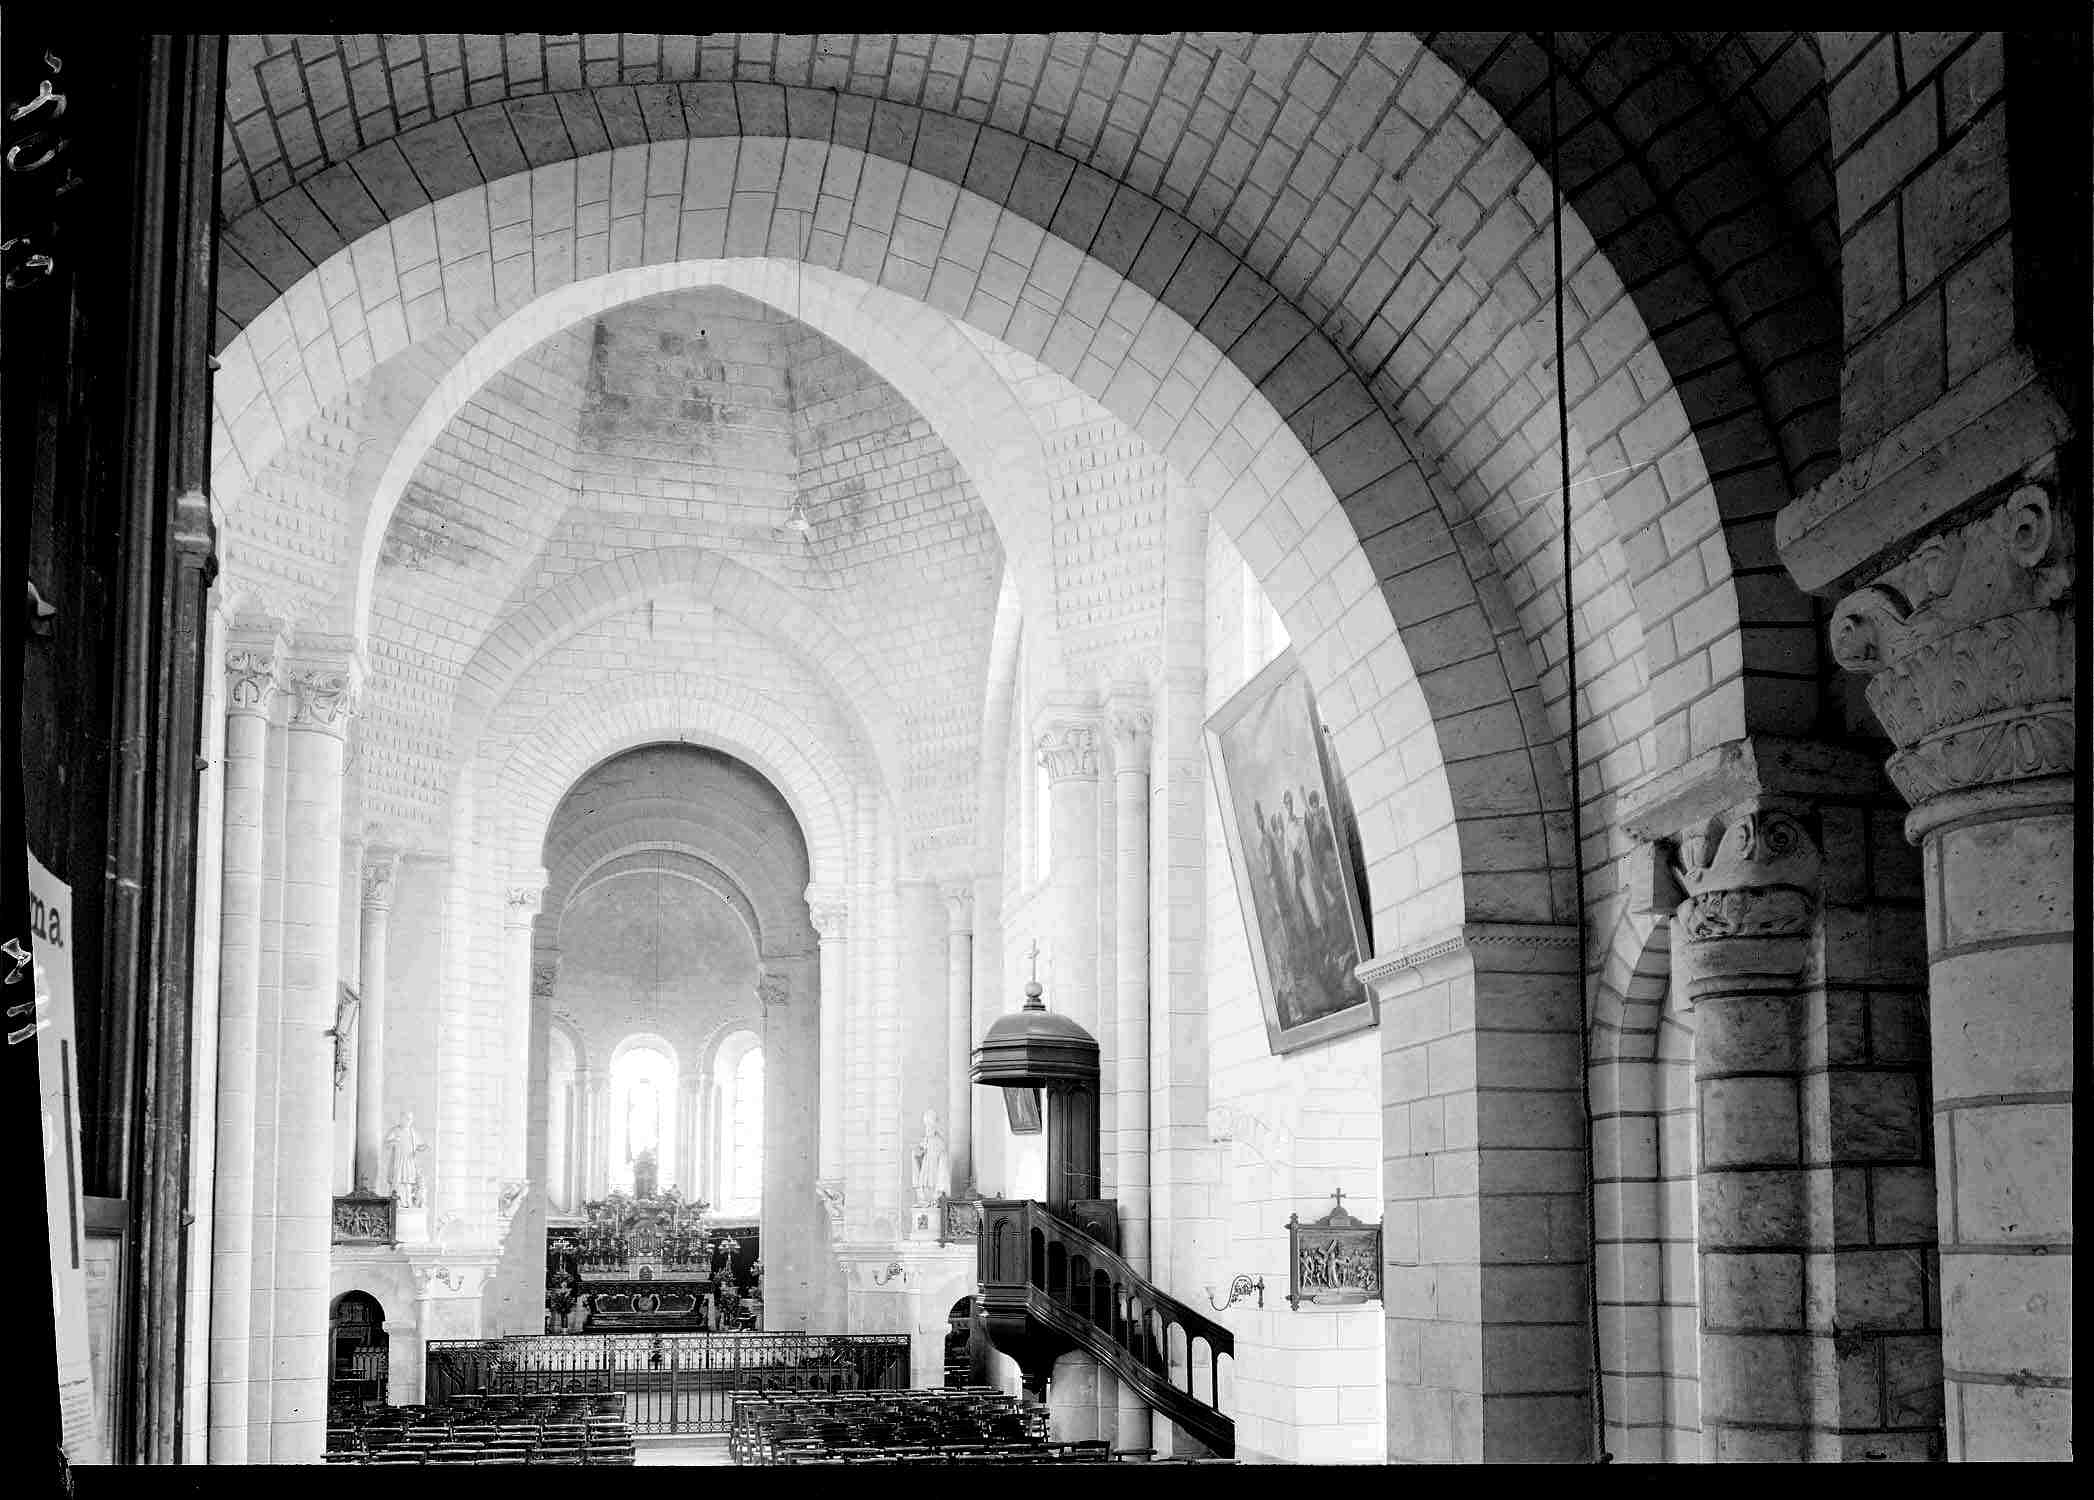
x=1227, y=748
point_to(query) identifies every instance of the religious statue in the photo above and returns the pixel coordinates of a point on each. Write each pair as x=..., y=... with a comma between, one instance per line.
x=403, y=1147
x=933, y=1162
x=644, y=1174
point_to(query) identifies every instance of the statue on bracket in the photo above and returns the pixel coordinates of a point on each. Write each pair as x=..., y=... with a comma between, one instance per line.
x=933, y=1162
x=403, y=1151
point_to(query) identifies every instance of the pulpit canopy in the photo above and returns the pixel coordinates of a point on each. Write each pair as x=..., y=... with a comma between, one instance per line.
x=1032, y=1047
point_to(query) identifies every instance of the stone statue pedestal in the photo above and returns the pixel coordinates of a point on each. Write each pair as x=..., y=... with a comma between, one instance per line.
x=411, y=1226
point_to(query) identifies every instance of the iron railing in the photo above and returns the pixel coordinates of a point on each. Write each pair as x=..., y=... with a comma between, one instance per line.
x=674, y=1382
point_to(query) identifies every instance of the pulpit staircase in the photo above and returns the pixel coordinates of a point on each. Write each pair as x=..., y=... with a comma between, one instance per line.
x=1048, y=1288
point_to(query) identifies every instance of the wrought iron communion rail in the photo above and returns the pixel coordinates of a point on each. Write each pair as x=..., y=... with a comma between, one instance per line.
x=673, y=1382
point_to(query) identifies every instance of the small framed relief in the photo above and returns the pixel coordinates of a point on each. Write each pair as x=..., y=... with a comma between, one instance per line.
x=1290, y=845
x=1334, y=1262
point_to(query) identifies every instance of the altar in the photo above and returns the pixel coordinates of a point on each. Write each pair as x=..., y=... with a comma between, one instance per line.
x=650, y=1264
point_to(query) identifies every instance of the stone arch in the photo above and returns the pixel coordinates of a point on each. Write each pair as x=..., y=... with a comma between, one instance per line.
x=681, y=863
x=1234, y=440
x=1660, y=160
x=1670, y=571
x=522, y=639
x=670, y=707
x=566, y=1027
x=1630, y=990
x=677, y=865
x=636, y=1040
x=721, y=825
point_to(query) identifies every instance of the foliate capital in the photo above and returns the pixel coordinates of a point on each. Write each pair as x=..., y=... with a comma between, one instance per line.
x=1751, y=872
x=774, y=989
x=959, y=904
x=521, y=903
x=1969, y=648
x=254, y=674
x=1132, y=733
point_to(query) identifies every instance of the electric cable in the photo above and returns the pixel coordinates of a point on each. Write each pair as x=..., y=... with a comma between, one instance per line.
x=1570, y=678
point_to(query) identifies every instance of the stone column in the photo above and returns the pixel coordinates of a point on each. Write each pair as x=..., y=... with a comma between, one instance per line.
x=827, y=912
x=1131, y=723
x=597, y=1180
x=1067, y=742
x=1751, y=878
x=253, y=676
x=581, y=1123
x=1968, y=644
x=987, y=1111
x=322, y=691
x=381, y=867
x=525, y=1024
x=686, y=1133
x=959, y=1034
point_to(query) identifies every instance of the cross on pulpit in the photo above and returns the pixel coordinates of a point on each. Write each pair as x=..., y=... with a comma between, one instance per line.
x=1338, y=1197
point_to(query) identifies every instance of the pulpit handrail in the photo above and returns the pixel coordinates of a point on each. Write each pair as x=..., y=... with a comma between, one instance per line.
x=1197, y=1325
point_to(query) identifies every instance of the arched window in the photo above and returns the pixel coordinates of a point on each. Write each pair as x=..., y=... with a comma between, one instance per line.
x=643, y=1111
x=738, y=1085
x=1264, y=634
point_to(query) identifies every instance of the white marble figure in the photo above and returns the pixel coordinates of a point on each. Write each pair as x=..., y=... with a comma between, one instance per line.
x=403, y=1148
x=933, y=1162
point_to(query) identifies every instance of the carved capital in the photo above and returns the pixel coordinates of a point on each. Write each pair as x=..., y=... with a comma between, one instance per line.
x=1069, y=751
x=543, y=977
x=521, y=903
x=1132, y=734
x=322, y=699
x=959, y=904
x=774, y=989
x=254, y=674
x=1751, y=872
x=828, y=913
x=381, y=870
x=1968, y=645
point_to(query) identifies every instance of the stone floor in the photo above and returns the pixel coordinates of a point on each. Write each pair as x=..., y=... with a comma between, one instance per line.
x=679, y=1452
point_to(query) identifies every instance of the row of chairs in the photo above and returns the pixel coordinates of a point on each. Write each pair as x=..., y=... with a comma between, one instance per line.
x=561, y=1430
x=968, y=1425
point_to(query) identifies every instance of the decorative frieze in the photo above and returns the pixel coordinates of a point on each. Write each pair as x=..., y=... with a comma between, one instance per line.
x=1751, y=872
x=1969, y=648
x=1069, y=751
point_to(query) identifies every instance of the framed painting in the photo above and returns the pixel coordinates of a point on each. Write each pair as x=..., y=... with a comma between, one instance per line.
x=1290, y=844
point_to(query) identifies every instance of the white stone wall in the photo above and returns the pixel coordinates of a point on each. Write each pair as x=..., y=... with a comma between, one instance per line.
x=1307, y=1386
